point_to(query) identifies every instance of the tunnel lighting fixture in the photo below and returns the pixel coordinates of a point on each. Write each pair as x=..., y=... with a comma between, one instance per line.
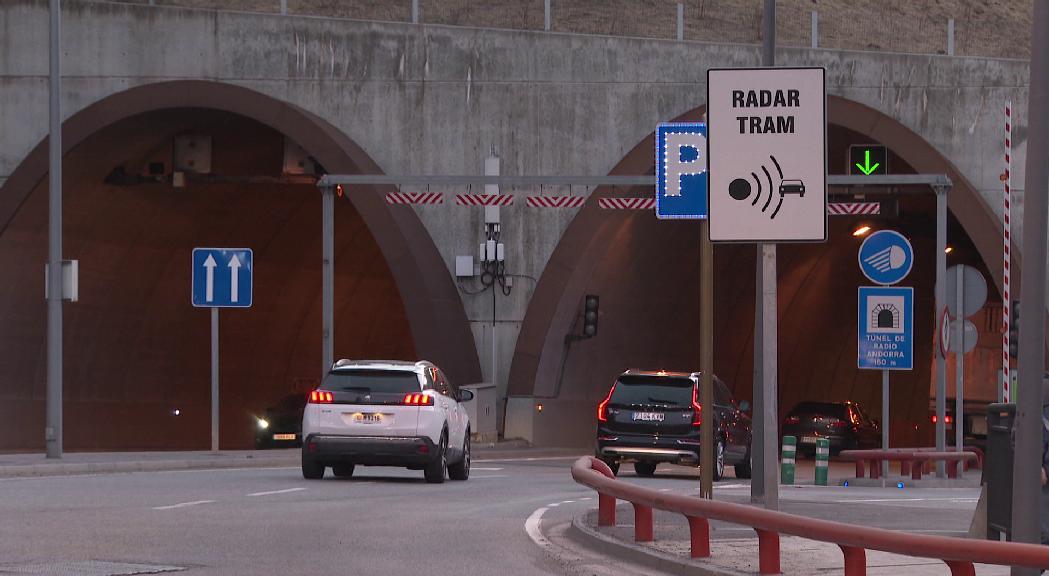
x=176, y=412
x=538, y=407
x=861, y=231
x=948, y=250
x=263, y=423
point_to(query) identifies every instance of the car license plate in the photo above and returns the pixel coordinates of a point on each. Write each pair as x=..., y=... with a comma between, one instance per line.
x=808, y=440
x=283, y=436
x=648, y=416
x=368, y=418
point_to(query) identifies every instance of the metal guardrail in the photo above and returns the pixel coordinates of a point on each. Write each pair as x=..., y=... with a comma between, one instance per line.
x=958, y=553
x=918, y=458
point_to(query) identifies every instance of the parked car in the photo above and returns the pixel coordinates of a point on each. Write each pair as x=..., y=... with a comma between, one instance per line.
x=280, y=426
x=387, y=413
x=845, y=424
x=653, y=417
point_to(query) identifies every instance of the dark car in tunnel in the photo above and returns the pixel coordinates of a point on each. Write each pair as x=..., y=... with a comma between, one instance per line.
x=653, y=417
x=844, y=424
x=280, y=426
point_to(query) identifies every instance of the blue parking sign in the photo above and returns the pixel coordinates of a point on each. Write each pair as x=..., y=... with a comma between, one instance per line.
x=222, y=277
x=886, y=328
x=681, y=171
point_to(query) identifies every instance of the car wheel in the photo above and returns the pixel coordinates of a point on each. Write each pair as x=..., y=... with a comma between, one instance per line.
x=645, y=468
x=461, y=469
x=311, y=469
x=342, y=470
x=613, y=465
x=744, y=469
x=437, y=470
x=719, y=460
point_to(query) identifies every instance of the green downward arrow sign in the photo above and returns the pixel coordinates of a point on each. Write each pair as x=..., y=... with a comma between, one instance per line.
x=867, y=168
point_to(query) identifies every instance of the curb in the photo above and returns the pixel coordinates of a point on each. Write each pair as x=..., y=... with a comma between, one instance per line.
x=643, y=555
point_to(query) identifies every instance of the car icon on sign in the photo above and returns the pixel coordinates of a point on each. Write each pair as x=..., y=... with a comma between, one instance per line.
x=791, y=187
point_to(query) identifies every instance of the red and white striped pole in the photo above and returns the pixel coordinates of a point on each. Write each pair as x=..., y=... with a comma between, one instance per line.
x=1007, y=227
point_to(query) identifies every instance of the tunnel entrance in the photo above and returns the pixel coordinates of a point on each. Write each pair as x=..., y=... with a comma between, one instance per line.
x=136, y=362
x=646, y=272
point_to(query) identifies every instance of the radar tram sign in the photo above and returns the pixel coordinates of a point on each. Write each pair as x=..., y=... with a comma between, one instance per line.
x=767, y=154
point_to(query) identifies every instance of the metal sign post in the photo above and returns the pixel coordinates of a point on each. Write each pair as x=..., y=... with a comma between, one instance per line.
x=53, y=429
x=966, y=295
x=222, y=278
x=706, y=360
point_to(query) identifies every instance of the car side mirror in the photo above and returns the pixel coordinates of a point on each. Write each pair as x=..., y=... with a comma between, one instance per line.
x=744, y=406
x=466, y=395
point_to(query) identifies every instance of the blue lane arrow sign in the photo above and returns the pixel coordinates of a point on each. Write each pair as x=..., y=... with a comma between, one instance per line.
x=222, y=277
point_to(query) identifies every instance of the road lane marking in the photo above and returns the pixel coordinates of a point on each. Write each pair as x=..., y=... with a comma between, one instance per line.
x=475, y=468
x=184, y=505
x=289, y=490
x=491, y=476
x=585, y=499
x=859, y=501
x=533, y=531
x=534, y=459
x=567, y=501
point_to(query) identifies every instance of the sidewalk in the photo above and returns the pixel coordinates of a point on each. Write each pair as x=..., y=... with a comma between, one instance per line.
x=35, y=464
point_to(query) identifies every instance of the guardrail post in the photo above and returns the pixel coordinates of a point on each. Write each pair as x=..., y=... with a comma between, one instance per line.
x=790, y=450
x=860, y=471
x=606, y=510
x=768, y=552
x=855, y=560
x=905, y=467
x=822, y=461
x=916, y=469
x=959, y=568
x=952, y=468
x=699, y=529
x=642, y=522
x=875, y=468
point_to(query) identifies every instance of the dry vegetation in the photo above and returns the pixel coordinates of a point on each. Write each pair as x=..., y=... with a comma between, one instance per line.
x=996, y=28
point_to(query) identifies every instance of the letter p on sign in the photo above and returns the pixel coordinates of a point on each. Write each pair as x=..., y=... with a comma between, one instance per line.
x=681, y=170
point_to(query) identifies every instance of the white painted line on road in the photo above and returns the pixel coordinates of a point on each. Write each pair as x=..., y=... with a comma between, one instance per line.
x=475, y=468
x=491, y=476
x=554, y=505
x=585, y=499
x=664, y=489
x=860, y=501
x=183, y=505
x=289, y=490
x=535, y=459
x=532, y=528
x=567, y=501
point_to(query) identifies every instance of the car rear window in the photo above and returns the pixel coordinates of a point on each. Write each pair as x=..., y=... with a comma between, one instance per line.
x=820, y=409
x=371, y=381
x=633, y=390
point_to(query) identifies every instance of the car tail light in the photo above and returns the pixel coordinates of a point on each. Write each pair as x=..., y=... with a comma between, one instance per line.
x=697, y=410
x=417, y=400
x=946, y=419
x=793, y=420
x=321, y=397
x=602, y=408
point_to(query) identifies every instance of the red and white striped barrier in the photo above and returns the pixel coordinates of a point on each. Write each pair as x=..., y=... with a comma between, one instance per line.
x=400, y=198
x=1007, y=304
x=484, y=199
x=627, y=203
x=556, y=201
x=853, y=208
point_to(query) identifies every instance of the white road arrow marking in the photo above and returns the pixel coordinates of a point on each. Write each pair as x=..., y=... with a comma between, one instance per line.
x=234, y=268
x=209, y=284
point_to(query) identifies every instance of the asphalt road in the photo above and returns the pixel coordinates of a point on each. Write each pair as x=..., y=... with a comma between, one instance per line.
x=509, y=518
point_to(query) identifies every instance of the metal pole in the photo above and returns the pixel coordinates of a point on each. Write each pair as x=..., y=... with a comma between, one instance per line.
x=959, y=361
x=283, y=6
x=214, y=379
x=950, y=36
x=706, y=359
x=884, y=419
x=53, y=429
x=1032, y=291
x=327, y=279
x=680, y=21
x=765, y=484
x=546, y=15
x=815, y=34
x=941, y=302
x=415, y=11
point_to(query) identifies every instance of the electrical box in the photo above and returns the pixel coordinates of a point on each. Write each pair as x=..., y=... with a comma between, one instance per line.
x=464, y=266
x=296, y=159
x=193, y=153
x=481, y=411
x=70, y=280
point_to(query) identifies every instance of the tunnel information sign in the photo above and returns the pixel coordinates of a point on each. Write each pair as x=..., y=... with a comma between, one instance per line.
x=886, y=334
x=767, y=154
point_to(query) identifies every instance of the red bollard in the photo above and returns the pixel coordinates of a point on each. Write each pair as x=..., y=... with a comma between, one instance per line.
x=855, y=560
x=642, y=523
x=768, y=552
x=606, y=510
x=699, y=529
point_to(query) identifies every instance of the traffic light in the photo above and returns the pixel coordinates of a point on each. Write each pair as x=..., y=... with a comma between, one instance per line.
x=1014, y=329
x=590, y=315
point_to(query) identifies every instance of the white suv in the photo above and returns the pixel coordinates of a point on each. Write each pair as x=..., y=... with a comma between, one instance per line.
x=386, y=413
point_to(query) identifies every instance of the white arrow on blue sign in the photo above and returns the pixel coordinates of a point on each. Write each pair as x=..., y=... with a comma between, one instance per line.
x=886, y=257
x=222, y=277
x=681, y=170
